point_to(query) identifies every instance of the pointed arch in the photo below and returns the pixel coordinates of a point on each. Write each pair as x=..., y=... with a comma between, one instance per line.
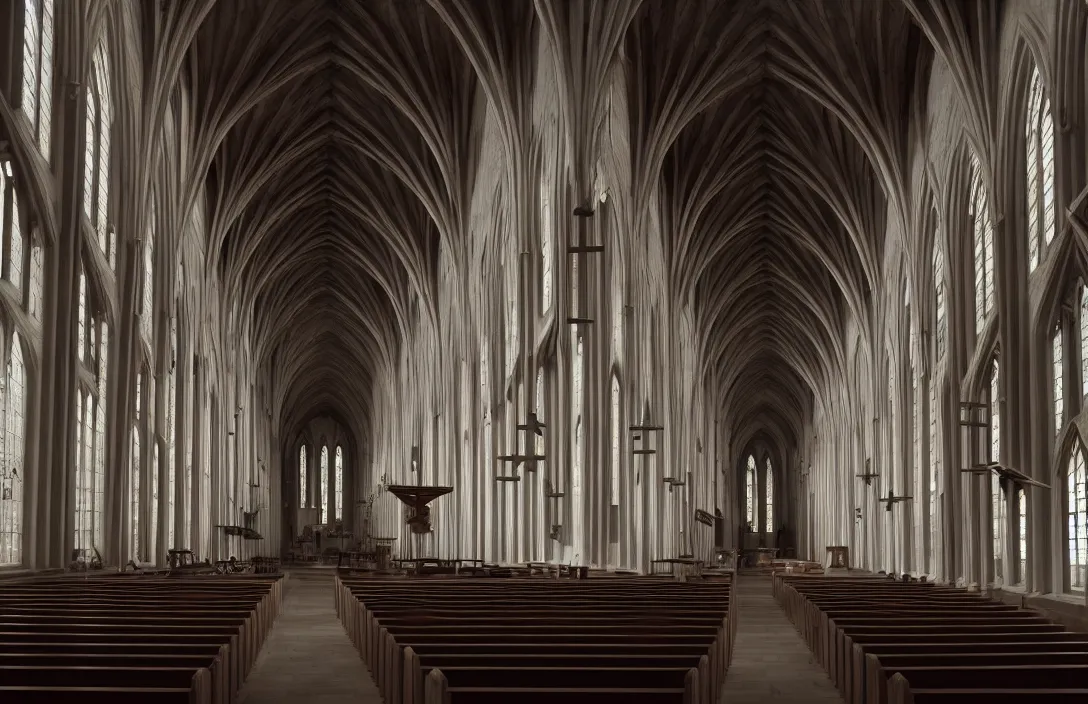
x=769, y=487
x=338, y=491
x=1039, y=169
x=750, y=491
x=323, y=468
x=1075, y=485
x=982, y=227
x=38, y=52
x=12, y=472
x=303, y=476
x=96, y=176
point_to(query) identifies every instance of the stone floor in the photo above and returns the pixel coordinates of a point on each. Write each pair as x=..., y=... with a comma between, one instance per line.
x=307, y=656
x=770, y=661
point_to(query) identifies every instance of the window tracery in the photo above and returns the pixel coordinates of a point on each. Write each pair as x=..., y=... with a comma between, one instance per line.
x=546, y=273
x=1040, y=170
x=939, y=297
x=984, y=246
x=147, y=319
x=11, y=227
x=96, y=178
x=37, y=97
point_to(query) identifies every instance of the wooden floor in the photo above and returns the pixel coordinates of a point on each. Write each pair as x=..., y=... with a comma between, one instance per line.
x=308, y=657
x=770, y=661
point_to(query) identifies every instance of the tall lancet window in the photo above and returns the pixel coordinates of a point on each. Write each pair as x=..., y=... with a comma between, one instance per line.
x=339, y=483
x=96, y=177
x=11, y=227
x=171, y=435
x=770, y=496
x=324, y=469
x=146, y=312
x=546, y=273
x=1084, y=341
x=616, y=434
x=984, y=247
x=38, y=70
x=750, y=492
x=134, y=473
x=1058, y=378
x=939, y=297
x=303, y=477
x=1076, y=487
x=512, y=317
x=11, y=471
x=934, y=479
x=997, y=495
x=1040, y=170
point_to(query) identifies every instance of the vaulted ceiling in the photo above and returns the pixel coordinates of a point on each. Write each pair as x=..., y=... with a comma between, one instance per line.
x=351, y=137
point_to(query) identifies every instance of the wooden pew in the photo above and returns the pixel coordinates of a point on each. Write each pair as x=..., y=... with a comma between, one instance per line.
x=900, y=692
x=114, y=628
x=598, y=621
x=865, y=632
x=439, y=691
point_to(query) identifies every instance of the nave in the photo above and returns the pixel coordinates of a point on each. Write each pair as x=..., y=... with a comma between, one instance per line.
x=602, y=289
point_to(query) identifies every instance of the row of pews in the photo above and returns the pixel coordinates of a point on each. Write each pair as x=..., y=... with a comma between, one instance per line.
x=121, y=638
x=883, y=641
x=635, y=640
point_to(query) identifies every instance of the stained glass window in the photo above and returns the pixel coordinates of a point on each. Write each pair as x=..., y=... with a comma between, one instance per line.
x=984, y=246
x=545, y=251
x=1040, y=170
x=147, y=318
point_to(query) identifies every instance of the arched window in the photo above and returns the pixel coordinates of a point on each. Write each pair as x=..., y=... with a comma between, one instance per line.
x=750, y=492
x=38, y=69
x=984, y=246
x=303, y=477
x=939, y=297
x=324, y=483
x=1022, y=508
x=96, y=181
x=171, y=434
x=538, y=442
x=153, y=548
x=11, y=227
x=1058, y=378
x=997, y=496
x=1040, y=170
x=134, y=474
x=99, y=479
x=1084, y=340
x=545, y=251
x=770, y=496
x=147, y=318
x=616, y=434
x=11, y=471
x=339, y=483
x=1076, y=487
x=512, y=318
x=934, y=478
x=81, y=323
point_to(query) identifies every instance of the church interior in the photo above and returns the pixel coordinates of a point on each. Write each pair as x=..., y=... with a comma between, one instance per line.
x=435, y=351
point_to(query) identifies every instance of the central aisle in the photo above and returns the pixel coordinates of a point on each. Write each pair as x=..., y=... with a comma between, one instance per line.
x=308, y=657
x=770, y=661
